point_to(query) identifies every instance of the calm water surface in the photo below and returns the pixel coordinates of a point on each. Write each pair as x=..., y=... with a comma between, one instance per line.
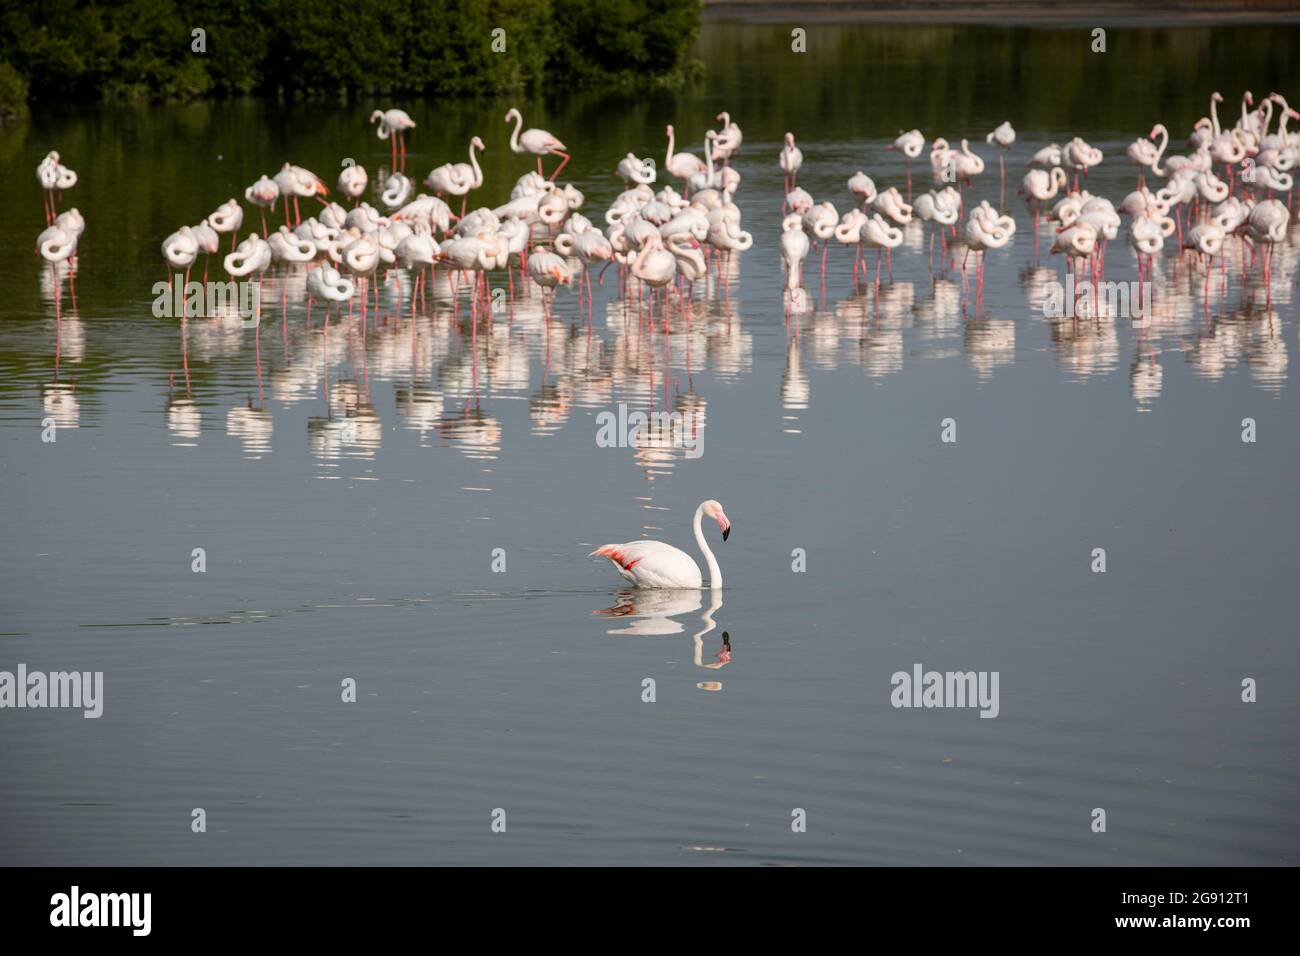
x=349, y=488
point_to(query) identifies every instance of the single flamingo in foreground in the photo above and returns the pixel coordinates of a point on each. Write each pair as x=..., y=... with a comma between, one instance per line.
x=653, y=564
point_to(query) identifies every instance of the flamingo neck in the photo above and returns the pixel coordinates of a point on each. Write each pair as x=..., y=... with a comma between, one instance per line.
x=1164, y=142
x=715, y=573
x=672, y=137
x=1214, y=115
x=473, y=161
x=514, y=137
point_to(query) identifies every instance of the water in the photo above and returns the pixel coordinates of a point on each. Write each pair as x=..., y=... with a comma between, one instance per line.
x=349, y=490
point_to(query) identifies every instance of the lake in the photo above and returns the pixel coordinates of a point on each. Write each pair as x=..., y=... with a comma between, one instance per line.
x=408, y=503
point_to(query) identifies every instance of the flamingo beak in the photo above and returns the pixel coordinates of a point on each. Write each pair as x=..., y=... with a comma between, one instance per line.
x=725, y=525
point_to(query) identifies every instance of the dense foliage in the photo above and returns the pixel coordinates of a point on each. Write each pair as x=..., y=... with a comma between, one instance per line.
x=134, y=49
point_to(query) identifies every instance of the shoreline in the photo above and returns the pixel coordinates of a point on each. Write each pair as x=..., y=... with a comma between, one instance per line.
x=1019, y=12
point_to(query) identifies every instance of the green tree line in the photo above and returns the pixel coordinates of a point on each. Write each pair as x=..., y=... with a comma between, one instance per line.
x=148, y=49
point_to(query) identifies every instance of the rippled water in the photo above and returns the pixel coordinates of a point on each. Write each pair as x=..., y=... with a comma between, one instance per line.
x=349, y=488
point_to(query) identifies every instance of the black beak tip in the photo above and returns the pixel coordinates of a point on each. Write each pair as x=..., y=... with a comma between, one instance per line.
x=726, y=533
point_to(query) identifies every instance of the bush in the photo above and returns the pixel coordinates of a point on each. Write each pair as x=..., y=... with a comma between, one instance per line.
x=78, y=49
x=13, y=95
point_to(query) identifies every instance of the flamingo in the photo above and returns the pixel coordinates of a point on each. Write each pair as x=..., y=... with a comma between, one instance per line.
x=416, y=252
x=352, y=182
x=726, y=179
x=1040, y=186
x=653, y=564
x=726, y=236
x=209, y=243
x=393, y=124
x=458, y=179
x=54, y=177
x=288, y=246
x=264, y=194
x=397, y=190
x=1003, y=136
x=330, y=286
x=910, y=144
x=727, y=140
x=891, y=204
x=1080, y=156
x=689, y=261
x=1077, y=241
x=253, y=255
x=681, y=165
x=794, y=249
x=862, y=186
x=799, y=200
x=1144, y=153
x=943, y=161
x=967, y=163
x=942, y=208
x=985, y=230
x=633, y=170
x=1207, y=238
x=227, y=218
x=536, y=141
x=1046, y=158
x=298, y=182
x=72, y=222
x=56, y=244
x=588, y=244
x=880, y=235
x=849, y=233
x=1267, y=225
x=1224, y=146
x=548, y=270
x=819, y=223
x=1271, y=178
x=427, y=211
x=1147, y=235
x=791, y=159
x=180, y=249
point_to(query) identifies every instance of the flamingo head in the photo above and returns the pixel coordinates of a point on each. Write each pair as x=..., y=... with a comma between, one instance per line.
x=1216, y=97
x=713, y=509
x=376, y=116
x=789, y=139
x=1249, y=98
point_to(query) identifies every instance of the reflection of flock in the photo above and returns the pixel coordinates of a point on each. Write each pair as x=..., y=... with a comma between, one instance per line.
x=443, y=379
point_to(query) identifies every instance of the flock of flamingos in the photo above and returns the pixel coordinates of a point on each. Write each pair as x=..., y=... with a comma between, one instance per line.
x=1219, y=190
